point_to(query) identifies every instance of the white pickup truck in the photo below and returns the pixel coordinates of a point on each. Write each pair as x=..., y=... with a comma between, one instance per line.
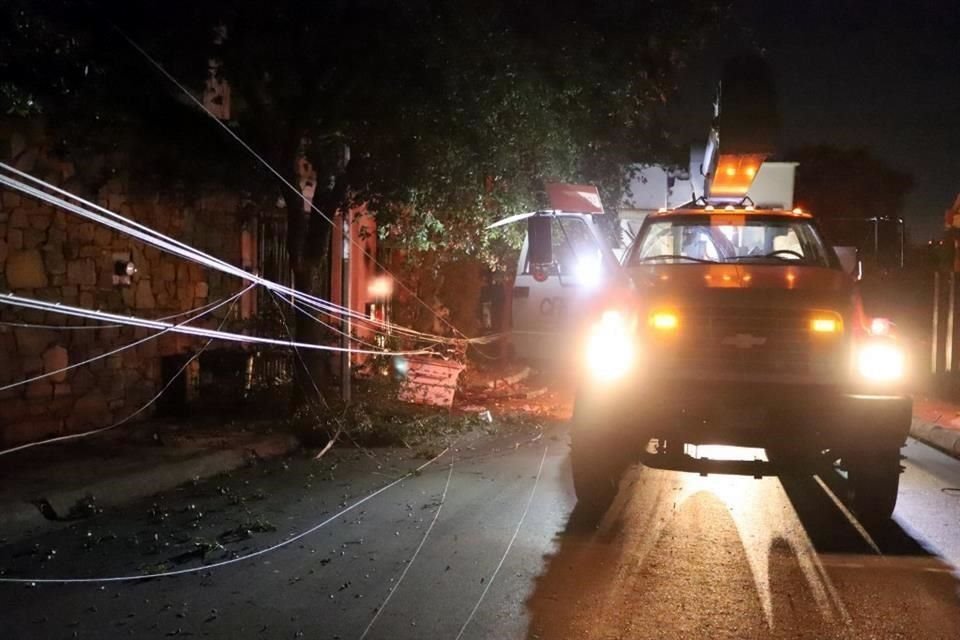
x=546, y=298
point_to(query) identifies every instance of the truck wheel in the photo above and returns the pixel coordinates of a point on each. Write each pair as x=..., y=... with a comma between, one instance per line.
x=595, y=479
x=599, y=459
x=873, y=484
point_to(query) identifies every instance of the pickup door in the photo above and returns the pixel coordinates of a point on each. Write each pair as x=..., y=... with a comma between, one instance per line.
x=545, y=305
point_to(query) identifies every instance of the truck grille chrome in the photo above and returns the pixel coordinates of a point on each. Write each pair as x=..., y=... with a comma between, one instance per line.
x=750, y=342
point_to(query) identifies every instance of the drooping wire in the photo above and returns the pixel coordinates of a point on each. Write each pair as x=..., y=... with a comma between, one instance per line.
x=28, y=303
x=59, y=327
x=166, y=328
x=75, y=436
x=161, y=241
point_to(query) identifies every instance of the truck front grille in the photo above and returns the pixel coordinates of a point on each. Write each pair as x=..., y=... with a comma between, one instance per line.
x=750, y=342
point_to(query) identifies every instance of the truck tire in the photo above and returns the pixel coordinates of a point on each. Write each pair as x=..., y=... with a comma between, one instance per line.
x=874, y=481
x=598, y=459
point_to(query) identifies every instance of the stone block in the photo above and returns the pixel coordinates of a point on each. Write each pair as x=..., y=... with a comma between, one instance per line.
x=85, y=233
x=201, y=290
x=18, y=219
x=27, y=161
x=167, y=272
x=40, y=220
x=102, y=236
x=81, y=380
x=54, y=359
x=86, y=299
x=56, y=237
x=129, y=296
x=54, y=260
x=61, y=390
x=25, y=270
x=12, y=410
x=3, y=250
x=33, y=342
x=91, y=410
x=39, y=390
x=31, y=364
x=33, y=238
x=48, y=294
x=144, y=297
x=10, y=200
x=15, y=238
x=82, y=271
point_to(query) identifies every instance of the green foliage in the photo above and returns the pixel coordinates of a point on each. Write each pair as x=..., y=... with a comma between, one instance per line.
x=455, y=113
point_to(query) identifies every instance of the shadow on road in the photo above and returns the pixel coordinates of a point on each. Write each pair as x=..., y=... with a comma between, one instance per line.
x=679, y=555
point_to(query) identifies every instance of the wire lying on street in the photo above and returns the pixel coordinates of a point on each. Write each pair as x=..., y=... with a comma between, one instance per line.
x=229, y=561
x=406, y=568
x=510, y=544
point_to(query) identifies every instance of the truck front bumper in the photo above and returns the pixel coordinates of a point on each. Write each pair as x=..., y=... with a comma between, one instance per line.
x=755, y=415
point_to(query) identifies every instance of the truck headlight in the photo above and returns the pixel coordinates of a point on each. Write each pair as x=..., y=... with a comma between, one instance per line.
x=881, y=361
x=610, y=347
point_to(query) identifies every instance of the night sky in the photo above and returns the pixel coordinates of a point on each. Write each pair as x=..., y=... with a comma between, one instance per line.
x=882, y=75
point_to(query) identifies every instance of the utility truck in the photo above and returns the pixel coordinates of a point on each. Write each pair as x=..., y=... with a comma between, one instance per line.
x=724, y=323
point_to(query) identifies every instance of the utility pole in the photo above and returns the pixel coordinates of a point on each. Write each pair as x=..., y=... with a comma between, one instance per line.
x=935, y=330
x=345, y=342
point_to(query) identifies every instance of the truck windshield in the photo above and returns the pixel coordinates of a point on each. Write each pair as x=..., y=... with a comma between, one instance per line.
x=724, y=239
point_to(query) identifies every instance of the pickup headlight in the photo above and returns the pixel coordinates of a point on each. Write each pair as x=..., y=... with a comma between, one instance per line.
x=610, y=348
x=881, y=361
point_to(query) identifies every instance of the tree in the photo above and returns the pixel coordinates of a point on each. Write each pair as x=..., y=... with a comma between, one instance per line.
x=454, y=112
x=845, y=188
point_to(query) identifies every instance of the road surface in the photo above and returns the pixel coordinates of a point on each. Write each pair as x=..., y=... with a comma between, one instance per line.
x=480, y=544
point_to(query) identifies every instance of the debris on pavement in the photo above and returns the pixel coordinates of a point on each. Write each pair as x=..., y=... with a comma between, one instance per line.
x=430, y=381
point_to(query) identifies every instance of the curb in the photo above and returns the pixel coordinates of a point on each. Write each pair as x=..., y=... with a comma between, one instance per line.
x=22, y=519
x=946, y=440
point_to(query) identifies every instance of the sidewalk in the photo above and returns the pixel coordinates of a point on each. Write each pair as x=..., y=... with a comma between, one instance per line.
x=53, y=486
x=937, y=423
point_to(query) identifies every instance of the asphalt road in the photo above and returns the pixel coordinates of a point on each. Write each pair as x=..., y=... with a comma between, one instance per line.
x=480, y=544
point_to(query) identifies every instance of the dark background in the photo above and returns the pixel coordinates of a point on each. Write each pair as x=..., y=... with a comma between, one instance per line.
x=880, y=75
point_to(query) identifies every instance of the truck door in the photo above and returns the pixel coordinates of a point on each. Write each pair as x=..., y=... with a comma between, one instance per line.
x=548, y=299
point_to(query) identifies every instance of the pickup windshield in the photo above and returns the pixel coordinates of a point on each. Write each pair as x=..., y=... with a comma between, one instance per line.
x=751, y=238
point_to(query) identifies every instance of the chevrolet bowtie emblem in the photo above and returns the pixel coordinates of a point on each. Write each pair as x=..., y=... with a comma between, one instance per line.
x=743, y=341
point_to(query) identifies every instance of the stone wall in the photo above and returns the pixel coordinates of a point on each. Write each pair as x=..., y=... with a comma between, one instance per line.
x=53, y=255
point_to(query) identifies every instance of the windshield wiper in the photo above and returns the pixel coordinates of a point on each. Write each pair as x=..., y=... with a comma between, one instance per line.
x=769, y=256
x=675, y=256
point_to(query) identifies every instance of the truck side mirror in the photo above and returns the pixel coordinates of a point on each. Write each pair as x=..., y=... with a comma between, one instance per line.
x=539, y=240
x=850, y=261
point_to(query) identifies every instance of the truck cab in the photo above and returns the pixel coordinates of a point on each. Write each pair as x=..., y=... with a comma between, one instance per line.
x=739, y=326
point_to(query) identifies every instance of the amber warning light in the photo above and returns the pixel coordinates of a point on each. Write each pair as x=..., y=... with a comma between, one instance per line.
x=734, y=174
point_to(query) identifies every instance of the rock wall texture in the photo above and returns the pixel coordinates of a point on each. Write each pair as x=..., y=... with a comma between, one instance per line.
x=54, y=255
